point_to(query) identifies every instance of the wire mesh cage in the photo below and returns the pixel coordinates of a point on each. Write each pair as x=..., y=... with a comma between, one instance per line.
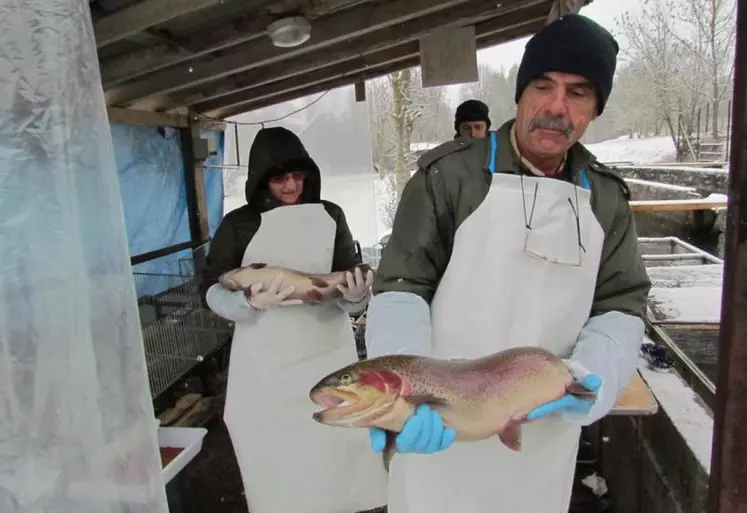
x=179, y=331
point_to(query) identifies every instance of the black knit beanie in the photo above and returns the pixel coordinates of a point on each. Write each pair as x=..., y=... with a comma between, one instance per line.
x=471, y=110
x=571, y=44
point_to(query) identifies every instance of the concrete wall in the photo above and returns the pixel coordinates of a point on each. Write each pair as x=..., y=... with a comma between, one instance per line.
x=704, y=228
x=704, y=180
x=657, y=464
x=642, y=189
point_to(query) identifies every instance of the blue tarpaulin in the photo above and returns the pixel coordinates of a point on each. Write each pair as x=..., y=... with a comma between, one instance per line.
x=154, y=194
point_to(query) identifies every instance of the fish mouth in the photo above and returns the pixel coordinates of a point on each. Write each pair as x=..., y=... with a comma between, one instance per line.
x=350, y=407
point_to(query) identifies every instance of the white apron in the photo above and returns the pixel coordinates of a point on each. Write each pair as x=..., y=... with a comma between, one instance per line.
x=495, y=295
x=289, y=463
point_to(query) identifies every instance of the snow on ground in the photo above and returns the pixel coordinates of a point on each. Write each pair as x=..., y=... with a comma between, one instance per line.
x=688, y=305
x=638, y=151
x=659, y=185
x=684, y=408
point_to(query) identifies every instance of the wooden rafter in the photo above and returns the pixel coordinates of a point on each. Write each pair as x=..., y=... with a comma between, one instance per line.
x=347, y=53
x=318, y=72
x=329, y=30
x=219, y=60
x=145, y=118
x=142, y=16
x=484, y=40
x=213, y=37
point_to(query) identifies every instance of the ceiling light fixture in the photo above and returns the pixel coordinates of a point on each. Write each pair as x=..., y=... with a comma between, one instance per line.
x=288, y=32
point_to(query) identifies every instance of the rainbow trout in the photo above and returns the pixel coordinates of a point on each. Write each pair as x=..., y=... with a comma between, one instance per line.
x=478, y=398
x=309, y=288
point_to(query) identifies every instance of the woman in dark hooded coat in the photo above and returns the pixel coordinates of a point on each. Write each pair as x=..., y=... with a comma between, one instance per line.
x=281, y=348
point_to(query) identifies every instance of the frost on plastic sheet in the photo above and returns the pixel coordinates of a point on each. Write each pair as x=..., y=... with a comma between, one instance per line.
x=77, y=433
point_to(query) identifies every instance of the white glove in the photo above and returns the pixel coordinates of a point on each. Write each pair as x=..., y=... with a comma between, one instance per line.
x=357, y=288
x=260, y=300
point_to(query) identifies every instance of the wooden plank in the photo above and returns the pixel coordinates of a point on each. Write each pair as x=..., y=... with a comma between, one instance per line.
x=370, y=72
x=146, y=118
x=173, y=414
x=636, y=399
x=337, y=60
x=448, y=56
x=214, y=36
x=727, y=492
x=194, y=176
x=260, y=86
x=676, y=205
x=159, y=119
x=337, y=28
x=141, y=16
x=360, y=91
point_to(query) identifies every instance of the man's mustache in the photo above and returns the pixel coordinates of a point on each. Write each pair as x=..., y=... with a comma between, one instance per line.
x=552, y=123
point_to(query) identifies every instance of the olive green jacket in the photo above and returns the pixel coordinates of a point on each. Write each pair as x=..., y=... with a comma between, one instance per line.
x=451, y=182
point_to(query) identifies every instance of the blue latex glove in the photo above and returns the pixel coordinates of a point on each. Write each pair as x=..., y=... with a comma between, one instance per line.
x=569, y=403
x=423, y=433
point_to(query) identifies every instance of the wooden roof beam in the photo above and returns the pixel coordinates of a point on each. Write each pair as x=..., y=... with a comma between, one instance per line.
x=483, y=41
x=214, y=37
x=318, y=71
x=141, y=16
x=340, y=53
x=145, y=118
x=158, y=119
x=328, y=30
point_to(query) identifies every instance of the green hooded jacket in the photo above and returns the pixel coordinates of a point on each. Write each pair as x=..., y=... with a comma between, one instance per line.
x=451, y=182
x=274, y=151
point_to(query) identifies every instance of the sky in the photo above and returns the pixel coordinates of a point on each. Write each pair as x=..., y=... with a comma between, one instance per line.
x=604, y=12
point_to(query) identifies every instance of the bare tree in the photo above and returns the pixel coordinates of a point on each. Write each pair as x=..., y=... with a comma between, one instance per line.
x=685, y=50
x=654, y=47
x=405, y=112
x=379, y=104
x=495, y=88
x=708, y=31
x=401, y=110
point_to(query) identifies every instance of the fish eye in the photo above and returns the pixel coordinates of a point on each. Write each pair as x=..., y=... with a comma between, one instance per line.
x=345, y=379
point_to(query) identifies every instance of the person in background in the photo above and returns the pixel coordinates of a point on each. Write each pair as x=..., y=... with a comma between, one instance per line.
x=521, y=238
x=471, y=119
x=280, y=347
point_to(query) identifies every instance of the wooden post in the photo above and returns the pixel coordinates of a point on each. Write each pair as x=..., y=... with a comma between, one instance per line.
x=727, y=491
x=194, y=154
x=360, y=91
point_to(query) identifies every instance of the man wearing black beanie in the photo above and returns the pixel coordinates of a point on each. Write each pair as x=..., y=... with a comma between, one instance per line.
x=521, y=238
x=471, y=119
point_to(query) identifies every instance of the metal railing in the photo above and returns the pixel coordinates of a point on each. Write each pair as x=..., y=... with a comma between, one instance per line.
x=179, y=332
x=691, y=345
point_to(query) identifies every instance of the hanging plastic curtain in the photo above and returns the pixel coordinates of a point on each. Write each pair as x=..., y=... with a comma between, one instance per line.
x=77, y=433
